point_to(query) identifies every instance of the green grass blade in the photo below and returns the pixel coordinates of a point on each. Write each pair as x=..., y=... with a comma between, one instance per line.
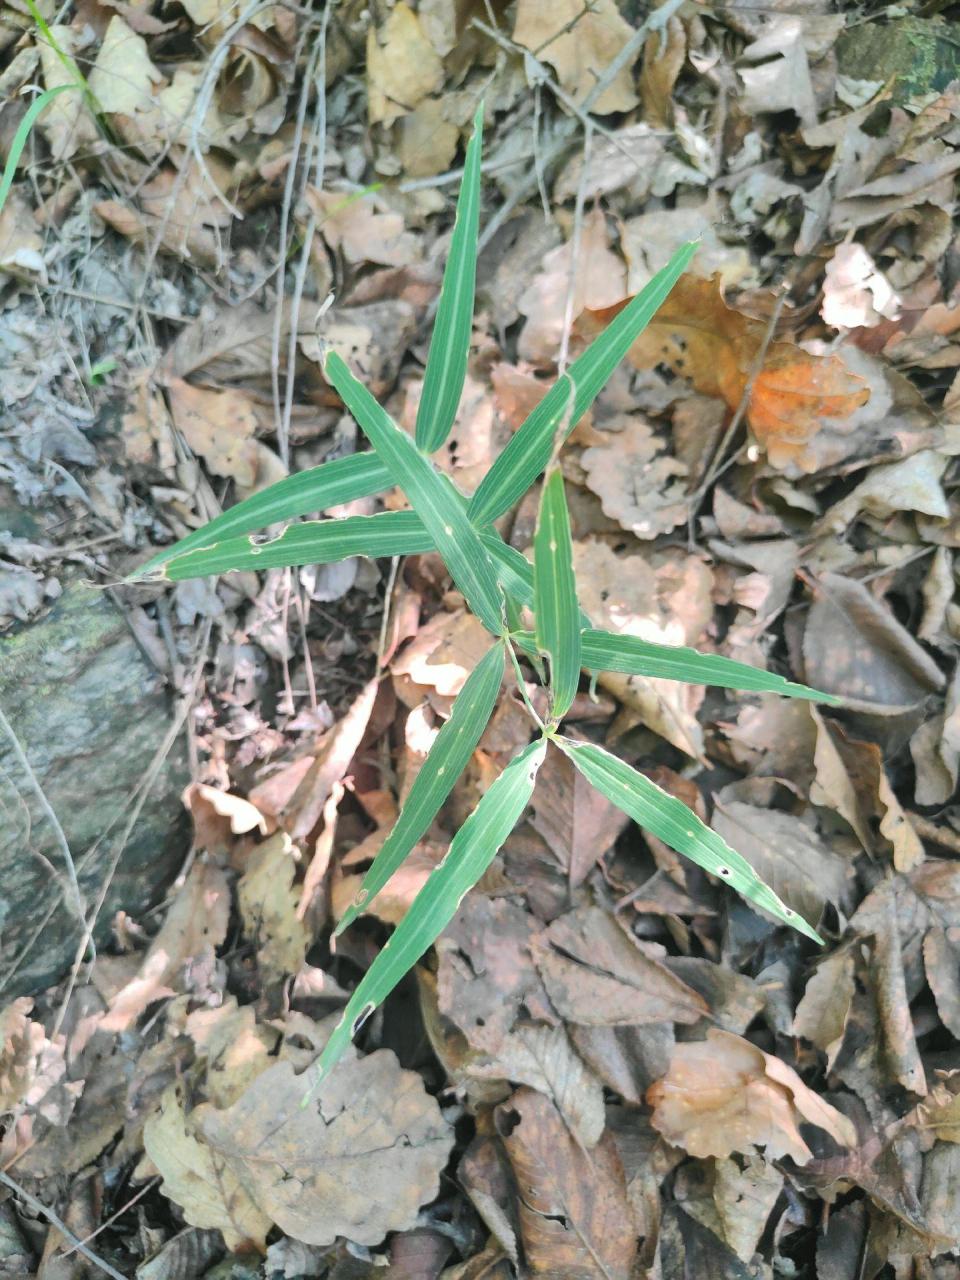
x=450, y=345
x=443, y=515
x=608, y=651
x=670, y=819
x=472, y=850
x=515, y=573
x=361, y=475
x=556, y=609
x=390, y=533
x=447, y=759
x=529, y=451
x=24, y=128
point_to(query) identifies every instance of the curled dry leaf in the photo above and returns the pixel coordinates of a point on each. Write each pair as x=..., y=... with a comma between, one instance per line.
x=575, y=1218
x=357, y=1161
x=697, y=335
x=443, y=653
x=194, y=926
x=723, y=1095
x=855, y=292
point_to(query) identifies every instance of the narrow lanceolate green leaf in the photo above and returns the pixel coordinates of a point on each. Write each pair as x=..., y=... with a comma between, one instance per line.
x=670, y=819
x=471, y=852
x=515, y=573
x=447, y=759
x=450, y=344
x=608, y=651
x=19, y=141
x=344, y=480
x=556, y=609
x=440, y=510
x=391, y=533
x=529, y=451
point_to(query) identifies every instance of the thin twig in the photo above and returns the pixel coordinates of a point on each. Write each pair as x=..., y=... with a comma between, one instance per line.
x=945, y=837
x=58, y=1223
x=575, y=243
x=78, y=904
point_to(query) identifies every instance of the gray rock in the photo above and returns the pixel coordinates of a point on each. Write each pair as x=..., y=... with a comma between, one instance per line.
x=89, y=715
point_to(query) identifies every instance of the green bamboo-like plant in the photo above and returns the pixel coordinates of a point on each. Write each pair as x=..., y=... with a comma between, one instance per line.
x=497, y=582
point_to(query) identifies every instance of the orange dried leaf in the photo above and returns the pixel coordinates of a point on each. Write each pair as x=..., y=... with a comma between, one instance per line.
x=698, y=336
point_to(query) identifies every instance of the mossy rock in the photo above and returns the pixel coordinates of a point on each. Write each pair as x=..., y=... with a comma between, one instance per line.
x=922, y=53
x=89, y=714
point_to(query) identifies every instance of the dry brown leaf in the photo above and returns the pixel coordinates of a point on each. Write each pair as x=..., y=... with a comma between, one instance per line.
x=663, y=57
x=787, y=854
x=627, y=158
x=650, y=240
x=357, y=1161
x=219, y=426
x=181, y=208
x=402, y=66
x=67, y=127
x=635, y=478
x=146, y=427
x=579, y=43
x=744, y=1199
x=268, y=905
x=696, y=334
x=783, y=84
x=824, y=1009
x=578, y=823
x=198, y=1179
x=598, y=976
x=939, y=1113
x=30, y=1063
x=723, y=1095
x=21, y=245
x=859, y=650
x=194, y=926
x=600, y=278
x=218, y=815
x=575, y=1218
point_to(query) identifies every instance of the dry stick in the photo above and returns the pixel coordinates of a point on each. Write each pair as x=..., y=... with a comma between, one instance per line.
x=148, y=1186
x=717, y=465
x=39, y=1207
x=655, y=21
x=927, y=830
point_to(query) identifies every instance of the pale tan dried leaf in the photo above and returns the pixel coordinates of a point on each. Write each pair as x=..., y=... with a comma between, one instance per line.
x=668, y=604
x=123, y=79
x=199, y=1180
x=578, y=823
x=723, y=1095
x=67, y=125
x=363, y=230
x=402, y=66
x=444, y=652
x=638, y=483
x=856, y=294
x=233, y=1048
x=600, y=282
x=30, y=1063
x=268, y=905
x=781, y=85
x=357, y=1161
x=744, y=1199
x=663, y=57
x=194, y=926
x=219, y=427
x=583, y=51
x=824, y=1009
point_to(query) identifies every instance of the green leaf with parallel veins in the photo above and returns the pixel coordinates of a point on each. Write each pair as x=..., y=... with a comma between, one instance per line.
x=471, y=851
x=556, y=609
x=446, y=760
x=608, y=651
x=442, y=514
x=530, y=449
x=450, y=344
x=344, y=480
x=391, y=533
x=677, y=826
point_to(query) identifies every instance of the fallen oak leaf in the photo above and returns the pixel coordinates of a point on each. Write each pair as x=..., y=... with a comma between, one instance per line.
x=723, y=1094
x=357, y=1161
